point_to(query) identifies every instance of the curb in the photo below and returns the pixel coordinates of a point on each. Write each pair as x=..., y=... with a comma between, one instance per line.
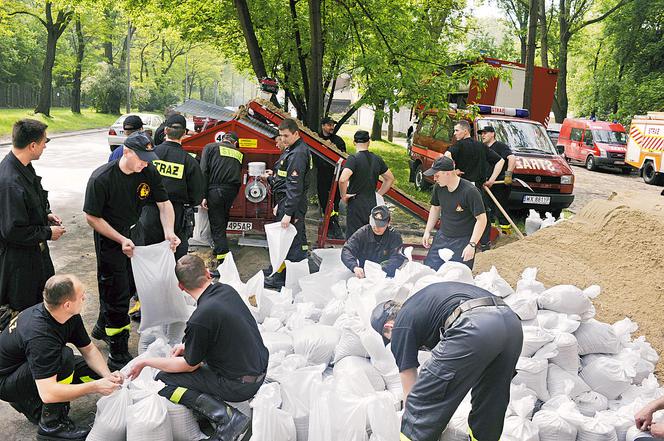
x=6, y=141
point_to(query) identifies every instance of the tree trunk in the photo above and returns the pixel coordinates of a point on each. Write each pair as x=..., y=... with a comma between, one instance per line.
x=377, y=126
x=544, y=34
x=44, y=104
x=595, y=88
x=80, y=53
x=530, y=55
x=560, y=110
x=524, y=50
x=255, y=53
x=315, y=100
x=304, y=74
x=390, y=126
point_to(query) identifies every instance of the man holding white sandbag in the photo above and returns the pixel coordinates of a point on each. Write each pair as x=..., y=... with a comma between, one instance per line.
x=39, y=374
x=223, y=357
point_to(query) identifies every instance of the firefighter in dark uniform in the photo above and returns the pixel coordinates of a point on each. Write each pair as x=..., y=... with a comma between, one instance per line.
x=325, y=176
x=183, y=179
x=475, y=341
x=39, y=374
x=357, y=183
x=114, y=197
x=377, y=242
x=223, y=357
x=221, y=163
x=290, y=194
x=131, y=124
x=26, y=223
x=500, y=191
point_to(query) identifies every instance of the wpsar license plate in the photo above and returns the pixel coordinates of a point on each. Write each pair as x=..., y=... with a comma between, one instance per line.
x=240, y=226
x=537, y=200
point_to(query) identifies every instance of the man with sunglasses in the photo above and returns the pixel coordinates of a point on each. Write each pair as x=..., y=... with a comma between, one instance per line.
x=26, y=224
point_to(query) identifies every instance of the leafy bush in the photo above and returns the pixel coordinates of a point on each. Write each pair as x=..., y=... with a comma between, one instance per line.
x=106, y=88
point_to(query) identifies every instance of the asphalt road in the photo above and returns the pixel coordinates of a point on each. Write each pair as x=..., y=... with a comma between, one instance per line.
x=66, y=166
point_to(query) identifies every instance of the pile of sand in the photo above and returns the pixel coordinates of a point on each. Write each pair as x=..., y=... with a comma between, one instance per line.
x=617, y=244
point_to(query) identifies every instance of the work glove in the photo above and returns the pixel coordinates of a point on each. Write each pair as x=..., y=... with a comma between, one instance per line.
x=508, y=178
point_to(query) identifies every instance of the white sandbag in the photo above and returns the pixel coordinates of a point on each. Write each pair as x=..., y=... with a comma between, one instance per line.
x=228, y=272
x=373, y=271
x=183, y=423
x=281, y=365
x=111, y=417
x=294, y=272
x=352, y=365
x=349, y=342
x=565, y=298
x=158, y=348
x=296, y=389
x=561, y=382
x=596, y=337
x=278, y=342
x=349, y=404
x=518, y=392
x=634, y=434
x=147, y=420
x=591, y=402
x=332, y=312
x=279, y=241
x=456, y=272
x=321, y=424
x=317, y=288
x=492, y=282
x=568, y=352
x=381, y=357
x=533, y=340
x=268, y=422
x=558, y=321
x=528, y=283
x=532, y=373
x=596, y=430
x=607, y=376
x=645, y=349
x=533, y=222
x=621, y=423
x=523, y=304
x=553, y=427
x=302, y=316
x=271, y=324
x=202, y=236
x=330, y=259
x=162, y=302
x=411, y=272
x=316, y=343
x=648, y=390
x=384, y=421
x=457, y=428
x=518, y=426
x=642, y=368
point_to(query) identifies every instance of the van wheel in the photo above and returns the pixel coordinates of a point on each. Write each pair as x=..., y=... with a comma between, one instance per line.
x=650, y=175
x=590, y=163
x=420, y=182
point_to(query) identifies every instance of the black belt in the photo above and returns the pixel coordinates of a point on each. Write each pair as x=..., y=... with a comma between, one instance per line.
x=472, y=304
x=251, y=379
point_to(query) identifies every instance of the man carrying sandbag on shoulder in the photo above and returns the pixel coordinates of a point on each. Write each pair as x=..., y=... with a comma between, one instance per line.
x=475, y=341
x=39, y=373
x=223, y=358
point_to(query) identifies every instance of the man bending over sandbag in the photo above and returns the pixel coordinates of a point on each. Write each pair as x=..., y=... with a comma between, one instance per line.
x=377, y=242
x=475, y=341
x=223, y=357
x=39, y=374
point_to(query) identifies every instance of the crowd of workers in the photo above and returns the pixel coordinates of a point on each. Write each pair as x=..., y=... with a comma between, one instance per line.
x=145, y=194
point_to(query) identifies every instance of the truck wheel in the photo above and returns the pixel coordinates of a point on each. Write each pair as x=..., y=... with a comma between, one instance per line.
x=650, y=175
x=590, y=163
x=420, y=182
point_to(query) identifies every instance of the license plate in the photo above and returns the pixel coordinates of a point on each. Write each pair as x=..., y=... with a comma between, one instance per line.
x=239, y=226
x=619, y=162
x=537, y=200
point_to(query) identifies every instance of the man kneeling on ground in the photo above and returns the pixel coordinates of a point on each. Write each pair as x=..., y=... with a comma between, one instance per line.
x=223, y=357
x=39, y=374
x=377, y=242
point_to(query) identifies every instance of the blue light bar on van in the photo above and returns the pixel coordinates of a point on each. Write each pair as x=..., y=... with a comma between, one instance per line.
x=507, y=111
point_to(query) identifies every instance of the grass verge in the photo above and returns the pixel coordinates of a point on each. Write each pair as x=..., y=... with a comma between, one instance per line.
x=61, y=120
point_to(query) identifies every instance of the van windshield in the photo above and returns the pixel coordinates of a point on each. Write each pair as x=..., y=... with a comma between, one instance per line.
x=610, y=137
x=521, y=136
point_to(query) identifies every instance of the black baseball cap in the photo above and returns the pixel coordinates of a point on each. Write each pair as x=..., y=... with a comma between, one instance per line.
x=361, y=136
x=230, y=137
x=487, y=129
x=327, y=120
x=176, y=122
x=441, y=164
x=140, y=143
x=132, y=122
x=380, y=216
x=379, y=317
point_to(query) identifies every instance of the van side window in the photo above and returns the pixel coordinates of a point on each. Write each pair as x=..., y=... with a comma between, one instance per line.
x=444, y=130
x=588, y=137
x=575, y=134
x=426, y=127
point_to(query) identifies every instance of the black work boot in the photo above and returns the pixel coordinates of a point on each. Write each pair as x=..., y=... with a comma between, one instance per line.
x=334, y=229
x=118, y=354
x=31, y=408
x=99, y=333
x=55, y=425
x=276, y=281
x=230, y=422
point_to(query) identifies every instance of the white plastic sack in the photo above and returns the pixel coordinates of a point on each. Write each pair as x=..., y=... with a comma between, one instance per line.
x=518, y=392
x=492, y=282
x=381, y=357
x=111, y=418
x=349, y=342
x=316, y=343
x=147, y=420
x=607, y=376
x=456, y=272
x=591, y=402
x=228, y=272
x=330, y=259
x=278, y=342
x=553, y=427
x=279, y=241
x=294, y=272
x=528, y=283
x=532, y=373
x=558, y=321
x=565, y=298
x=202, y=235
x=622, y=423
x=296, y=387
x=534, y=338
x=269, y=423
x=318, y=288
x=321, y=424
x=523, y=304
x=568, y=352
x=384, y=422
x=162, y=302
x=183, y=423
x=561, y=382
x=596, y=337
x=457, y=428
x=533, y=222
x=596, y=430
x=353, y=365
x=518, y=426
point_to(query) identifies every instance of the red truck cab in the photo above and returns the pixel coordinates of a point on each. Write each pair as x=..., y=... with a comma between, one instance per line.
x=537, y=162
x=594, y=143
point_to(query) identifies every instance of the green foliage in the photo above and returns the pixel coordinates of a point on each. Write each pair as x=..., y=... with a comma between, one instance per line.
x=105, y=88
x=150, y=99
x=61, y=120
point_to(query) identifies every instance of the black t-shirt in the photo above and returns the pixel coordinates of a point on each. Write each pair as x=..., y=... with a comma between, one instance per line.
x=180, y=172
x=118, y=198
x=458, y=209
x=223, y=333
x=422, y=316
x=34, y=336
x=366, y=167
x=221, y=163
x=471, y=158
x=504, y=151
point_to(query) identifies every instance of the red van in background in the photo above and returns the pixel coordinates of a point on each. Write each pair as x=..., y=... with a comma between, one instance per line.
x=594, y=143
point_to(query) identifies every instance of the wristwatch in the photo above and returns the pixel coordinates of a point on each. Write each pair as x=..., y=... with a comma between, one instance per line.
x=472, y=244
